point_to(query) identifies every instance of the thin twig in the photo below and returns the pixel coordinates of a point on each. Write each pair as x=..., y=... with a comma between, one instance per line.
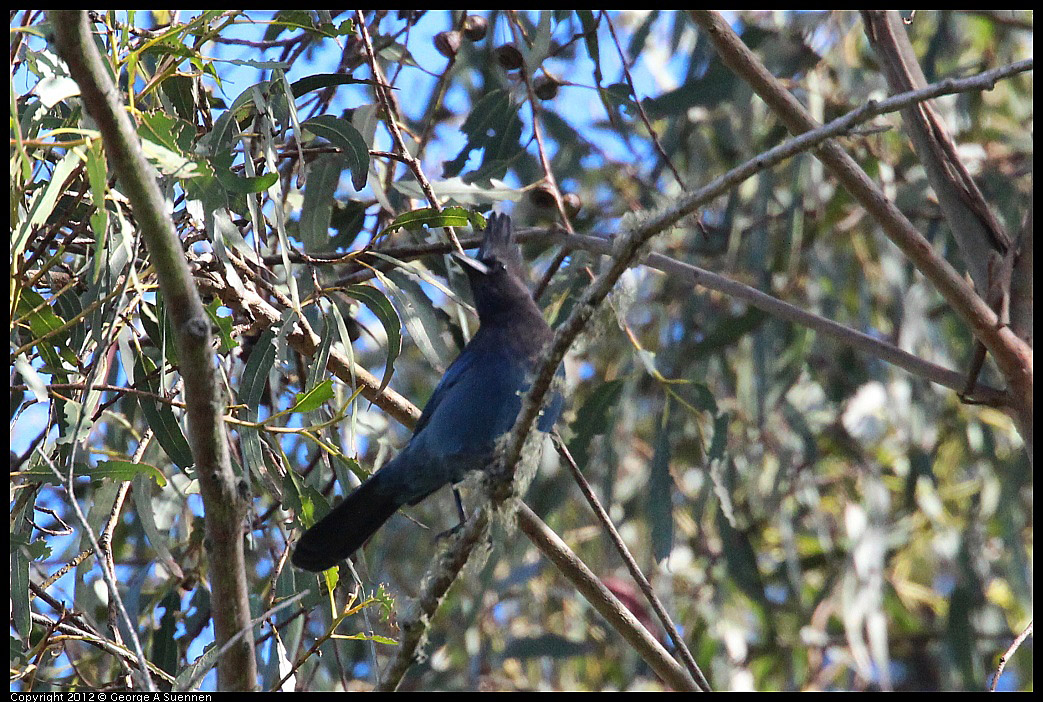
x=635, y=571
x=637, y=102
x=548, y=172
x=1011, y=650
x=143, y=677
x=392, y=124
x=81, y=633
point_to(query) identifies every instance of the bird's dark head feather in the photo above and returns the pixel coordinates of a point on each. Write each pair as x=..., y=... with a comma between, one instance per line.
x=501, y=289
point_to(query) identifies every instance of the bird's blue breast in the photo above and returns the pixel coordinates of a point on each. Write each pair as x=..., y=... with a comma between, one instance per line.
x=479, y=404
x=476, y=402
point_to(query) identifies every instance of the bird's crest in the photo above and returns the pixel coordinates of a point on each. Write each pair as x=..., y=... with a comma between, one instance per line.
x=498, y=244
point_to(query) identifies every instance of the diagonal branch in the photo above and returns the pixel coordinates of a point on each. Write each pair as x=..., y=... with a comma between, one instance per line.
x=975, y=229
x=224, y=507
x=384, y=95
x=635, y=571
x=444, y=572
x=1012, y=354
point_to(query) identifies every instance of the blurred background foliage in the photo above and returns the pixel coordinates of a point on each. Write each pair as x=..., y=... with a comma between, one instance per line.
x=813, y=518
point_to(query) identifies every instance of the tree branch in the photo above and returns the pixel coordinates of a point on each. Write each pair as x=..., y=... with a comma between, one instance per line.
x=443, y=573
x=224, y=508
x=976, y=230
x=1013, y=356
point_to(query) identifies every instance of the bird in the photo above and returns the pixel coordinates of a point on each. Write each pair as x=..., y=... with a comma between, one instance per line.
x=475, y=403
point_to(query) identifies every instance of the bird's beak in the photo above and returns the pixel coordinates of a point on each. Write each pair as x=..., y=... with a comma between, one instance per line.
x=472, y=263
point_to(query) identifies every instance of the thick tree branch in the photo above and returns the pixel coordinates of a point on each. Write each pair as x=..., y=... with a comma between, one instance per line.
x=1013, y=355
x=444, y=572
x=224, y=507
x=977, y=232
x=602, y=599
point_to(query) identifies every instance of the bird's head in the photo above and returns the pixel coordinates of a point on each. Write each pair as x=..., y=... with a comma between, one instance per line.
x=497, y=275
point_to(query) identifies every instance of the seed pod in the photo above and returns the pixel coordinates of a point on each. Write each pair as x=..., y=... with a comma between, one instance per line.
x=410, y=16
x=572, y=204
x=448, y=43
x=545, y=87
x=542, y=197
x=475, y=27
x=508, y=57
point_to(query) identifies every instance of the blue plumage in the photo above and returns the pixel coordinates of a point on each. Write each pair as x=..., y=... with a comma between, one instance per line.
x=475, y=403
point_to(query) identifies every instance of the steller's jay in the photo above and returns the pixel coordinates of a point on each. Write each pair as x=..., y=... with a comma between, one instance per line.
x=475, y=403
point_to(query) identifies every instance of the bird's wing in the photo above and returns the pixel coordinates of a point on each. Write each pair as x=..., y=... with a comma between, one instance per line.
x=456, y=370
x=472, y=360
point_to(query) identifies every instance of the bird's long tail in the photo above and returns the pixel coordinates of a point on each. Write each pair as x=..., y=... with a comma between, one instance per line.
x=349, y=525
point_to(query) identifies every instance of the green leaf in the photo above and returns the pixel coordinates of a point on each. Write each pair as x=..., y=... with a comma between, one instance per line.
x=421, y=317
x=590, y=36
x=546, y=645
x=255, y=374
x=126, y=471
x=314, y=398
x=42, y=321
x=341, y=133
x=306, y=502
x=660, y=492
x=713, y=88
x=430, y=217
x=381, y=306
x=317, y=210
x=593, y=417
x=261, y=65
x=97, y=176
x=321, y=357
x=157, y=326
x=160, y=418
x=21, y=530
x=462, y=192
x=621, y=95
x=700, y=397
x=284, y=20
x=741, y=562
x=720, y=436
x=53, y=89
x=146, y=508
x=243, y=185
x=223, y=325
x=164, y=649
x=180, y=89
x=172, y=163
x=168, y=432
x=728, y=331
x=168, y=131
x=42, y=204
x=493, y=126
x=319, y=81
